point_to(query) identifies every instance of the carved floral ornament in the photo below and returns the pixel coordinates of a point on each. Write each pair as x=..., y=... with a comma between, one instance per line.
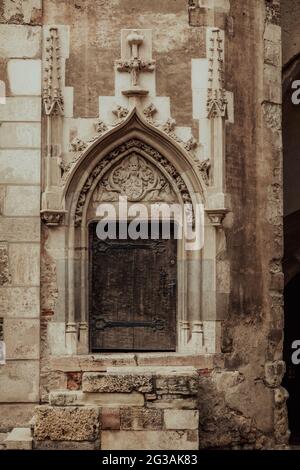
x=134, y=177
x=78, y=146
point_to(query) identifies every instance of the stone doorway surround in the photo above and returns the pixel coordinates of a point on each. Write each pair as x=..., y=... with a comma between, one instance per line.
x=70, y=186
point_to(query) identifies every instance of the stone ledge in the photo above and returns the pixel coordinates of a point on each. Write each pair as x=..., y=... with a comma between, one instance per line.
x=125, y=382
x=100, y=362
x=107, y=400
x=149, y=440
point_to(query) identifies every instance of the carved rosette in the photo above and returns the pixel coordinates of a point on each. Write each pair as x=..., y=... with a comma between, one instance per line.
x=135, y=145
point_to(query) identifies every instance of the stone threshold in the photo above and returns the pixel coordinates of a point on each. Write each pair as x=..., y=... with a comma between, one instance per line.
x=101, y=362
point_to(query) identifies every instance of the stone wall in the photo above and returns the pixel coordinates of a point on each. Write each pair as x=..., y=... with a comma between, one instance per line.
x=20, y=167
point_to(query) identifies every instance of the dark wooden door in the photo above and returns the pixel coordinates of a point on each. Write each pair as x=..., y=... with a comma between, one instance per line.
x=132, y=294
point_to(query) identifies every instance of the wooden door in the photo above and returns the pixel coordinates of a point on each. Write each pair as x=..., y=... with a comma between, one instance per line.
x=132, y=294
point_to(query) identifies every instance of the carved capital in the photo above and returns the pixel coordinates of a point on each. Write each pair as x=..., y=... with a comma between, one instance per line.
x=216, y=216
x=52, y=218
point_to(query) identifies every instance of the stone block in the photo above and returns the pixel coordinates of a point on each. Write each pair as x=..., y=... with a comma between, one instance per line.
x=181, y=419
x=74, y=380
x=149, y=440
x=20, y=166
x=141, y=418
x=106, y=400
x=19, y=108
x=174, y=403
x=20, y=41
x=109, y=383
x=20, y=135
x=15, y=415
x=19, y=302
x=274, y=372
x=22, y=338
x=22, y=201
x=66, y=423
x=272, y=33
x=20, y=229
x=19, y=439
x=110, y=418
x=5, y=277
x=90, y=362
x=25, y=264
x=166, y=359
x=66, y=445
x=113, y=400
x=24, y=76
x=19, y=382
x=177, y=384
x=21, y=12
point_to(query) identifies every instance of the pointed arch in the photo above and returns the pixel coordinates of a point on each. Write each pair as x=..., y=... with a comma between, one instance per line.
x=133, y=133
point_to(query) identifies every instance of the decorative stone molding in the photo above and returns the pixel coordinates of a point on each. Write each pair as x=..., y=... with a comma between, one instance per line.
x=135, y=65
x=100, y=127
x=136, y=179
x=216, y=100
x=77, y=145
x=121, y=112
x=131, y=144
x=204, y=168
x=52, y=217
x=149, y=111
x=191, y=144
x=52, y=95
x=216, y=216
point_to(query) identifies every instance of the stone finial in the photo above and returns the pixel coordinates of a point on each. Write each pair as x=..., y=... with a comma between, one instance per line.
x=216, y=100
x=52, y=95
x=135, y=65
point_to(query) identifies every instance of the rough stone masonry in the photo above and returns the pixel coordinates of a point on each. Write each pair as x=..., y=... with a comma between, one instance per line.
x=193, y=90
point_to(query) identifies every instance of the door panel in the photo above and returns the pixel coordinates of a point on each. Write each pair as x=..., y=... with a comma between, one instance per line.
x=132, y=294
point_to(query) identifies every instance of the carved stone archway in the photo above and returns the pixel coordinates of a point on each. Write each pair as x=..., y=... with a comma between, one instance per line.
x=170, y=162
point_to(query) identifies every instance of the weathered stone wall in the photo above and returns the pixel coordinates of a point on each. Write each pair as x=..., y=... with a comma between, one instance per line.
x=20, y=166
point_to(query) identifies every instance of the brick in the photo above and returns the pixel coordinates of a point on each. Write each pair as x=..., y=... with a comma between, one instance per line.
x=110, y=418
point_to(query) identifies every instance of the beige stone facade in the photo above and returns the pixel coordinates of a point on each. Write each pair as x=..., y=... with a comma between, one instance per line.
x=189, y=91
